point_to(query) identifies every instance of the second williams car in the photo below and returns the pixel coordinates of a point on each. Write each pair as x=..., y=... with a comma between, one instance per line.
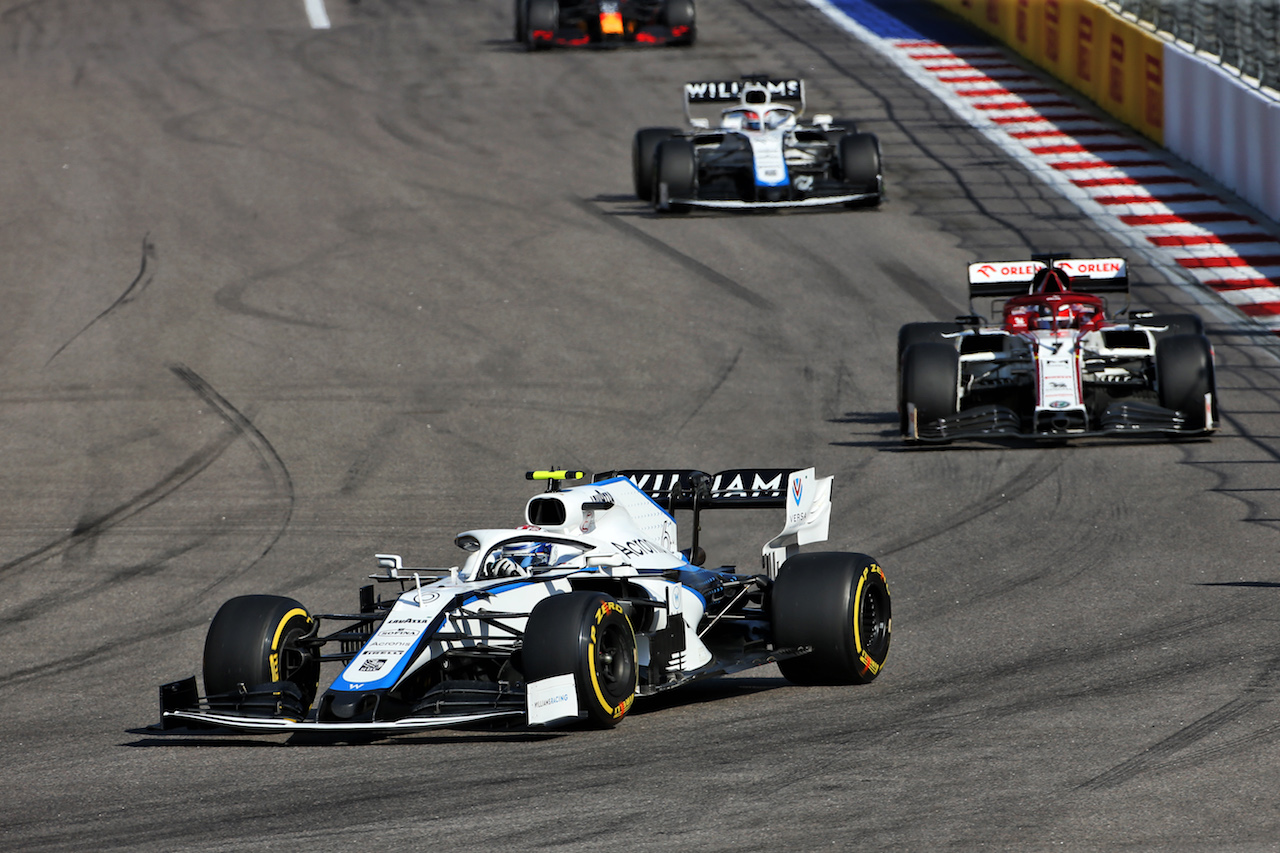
x=759, y=154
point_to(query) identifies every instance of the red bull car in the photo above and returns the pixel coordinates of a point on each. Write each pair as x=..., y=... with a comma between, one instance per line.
x=756, y=153
x=1056, y=365
x=586, y=605
x=604, y=23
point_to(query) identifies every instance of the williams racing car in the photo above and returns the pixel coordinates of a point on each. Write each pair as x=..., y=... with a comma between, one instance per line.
x=1056, y=367
x=586, y=605
x=605, y=23
x=758, y=155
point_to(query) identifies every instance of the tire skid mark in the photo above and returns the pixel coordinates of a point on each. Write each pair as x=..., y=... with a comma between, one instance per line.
x=185, y=472
x=15, y=620
x=231, y=297
x=1019, y=483
x=362, y=469
x=1094, y=658
x=138, y=283
x=240, y=427
x=720, y=280
x=266, y=452
x=711, y=392
x=1255, y=509
x=1153, y=757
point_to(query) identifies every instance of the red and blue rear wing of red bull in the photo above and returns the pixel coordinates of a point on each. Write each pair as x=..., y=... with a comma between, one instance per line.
x=1017, y=278
x=740, y=488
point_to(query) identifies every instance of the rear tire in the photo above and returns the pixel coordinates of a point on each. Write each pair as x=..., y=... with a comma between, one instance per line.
x=859, y=155
x=1184, y=375
x=585, y=634
x=930, y=379
x=676, y=168
x=253, y=640
x=644, y=149
x=838, y=604
x=540, y=15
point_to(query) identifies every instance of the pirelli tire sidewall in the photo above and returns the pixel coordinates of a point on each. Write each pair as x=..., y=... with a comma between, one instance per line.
x=837, y=603
x=253, y=640
x=588, y=635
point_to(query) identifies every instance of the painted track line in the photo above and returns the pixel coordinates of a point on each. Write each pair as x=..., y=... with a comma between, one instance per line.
x=317, y=14
x=1141, y=192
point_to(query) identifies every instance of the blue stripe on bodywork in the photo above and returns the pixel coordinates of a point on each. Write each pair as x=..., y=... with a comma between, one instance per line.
x=661, y=572
x=781, y=182
x=393, y=675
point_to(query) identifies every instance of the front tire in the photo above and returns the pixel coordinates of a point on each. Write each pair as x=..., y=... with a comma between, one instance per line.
x=930, y=380
x=254, y=639
x=837, y=130
x=681, y=13
x=839, y=604
x=585, y=634
x=930, y=332
x=540, y=16
x=859, y=155
x=644, y=149
x=675, y=175
x=1177, y=324
x=1184, y=375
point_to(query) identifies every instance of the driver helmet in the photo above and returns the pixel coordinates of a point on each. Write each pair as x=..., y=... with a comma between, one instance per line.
x=1068, y=315
x=741, y=119
x=1020, y=319
x=527, y=555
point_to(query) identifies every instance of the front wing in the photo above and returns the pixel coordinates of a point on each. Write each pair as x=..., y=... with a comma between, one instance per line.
x=1118, y=419
x=738, y=204
x=182, y=711
x=170, y=720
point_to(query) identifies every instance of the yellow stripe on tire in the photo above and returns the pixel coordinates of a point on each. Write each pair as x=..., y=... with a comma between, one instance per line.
x=275, y=641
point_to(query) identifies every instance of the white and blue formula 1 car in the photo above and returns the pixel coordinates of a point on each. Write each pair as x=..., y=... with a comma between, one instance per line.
x=757, y=156
x=568, y=617
x=1057, y=365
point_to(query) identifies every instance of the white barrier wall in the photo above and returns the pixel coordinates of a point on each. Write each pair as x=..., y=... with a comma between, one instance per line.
x=1228, y=129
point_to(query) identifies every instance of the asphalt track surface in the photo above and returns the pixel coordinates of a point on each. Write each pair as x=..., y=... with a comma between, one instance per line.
x=277, y=298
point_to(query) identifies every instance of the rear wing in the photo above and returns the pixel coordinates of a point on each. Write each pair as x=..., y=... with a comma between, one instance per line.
x=677, y=488
x=805, y=498
x=731, y=92
x=1014, y=278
